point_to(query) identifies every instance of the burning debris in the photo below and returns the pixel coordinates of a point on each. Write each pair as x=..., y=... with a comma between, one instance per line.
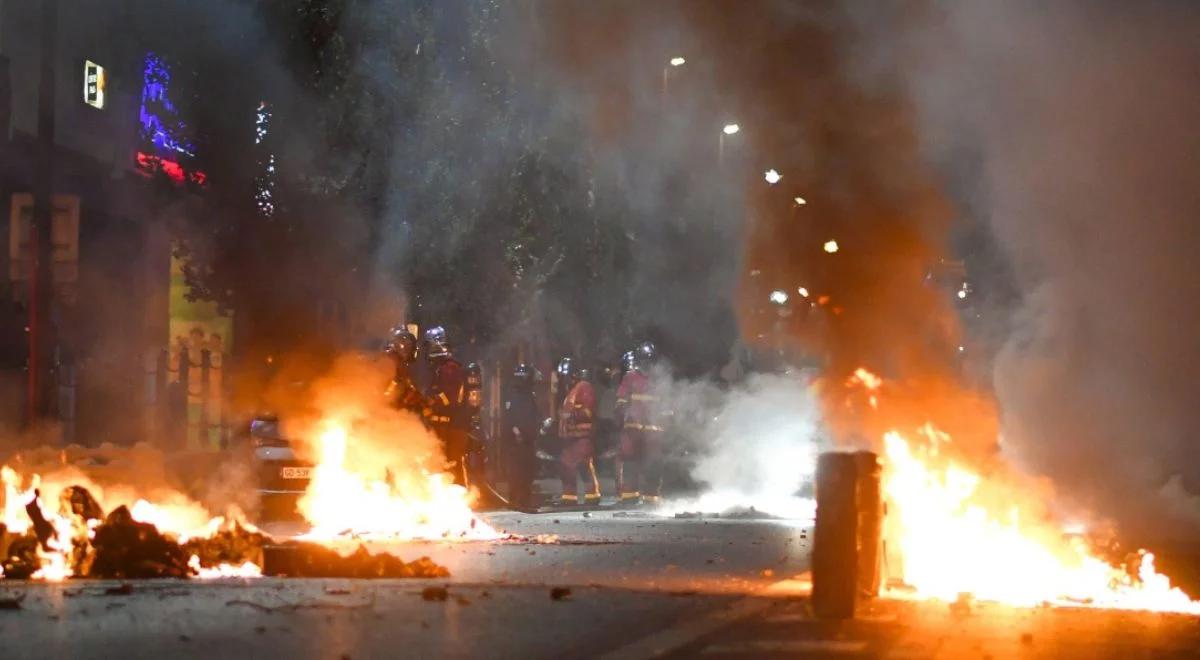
x=317, y=561
x=963, y=527
x=119, y=546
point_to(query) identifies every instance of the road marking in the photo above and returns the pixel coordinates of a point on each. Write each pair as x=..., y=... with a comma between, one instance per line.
x=833, y=646
x=665, y=641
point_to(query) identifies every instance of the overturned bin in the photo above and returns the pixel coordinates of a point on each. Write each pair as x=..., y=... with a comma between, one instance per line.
x=848, y=536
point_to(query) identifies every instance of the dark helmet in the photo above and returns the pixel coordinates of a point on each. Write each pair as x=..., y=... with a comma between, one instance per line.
x=401, y=344
x=579, y=372
x=436, y=345
x=645, y=353
x=564, y=368
x=523, y=373
x=628, y=361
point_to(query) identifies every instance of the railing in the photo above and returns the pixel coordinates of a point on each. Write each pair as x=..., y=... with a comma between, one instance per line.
x=185, y=395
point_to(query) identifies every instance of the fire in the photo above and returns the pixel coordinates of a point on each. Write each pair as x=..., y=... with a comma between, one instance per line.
x=958, y=533
x=246, y=570
x=396, y=503
x=172, y=513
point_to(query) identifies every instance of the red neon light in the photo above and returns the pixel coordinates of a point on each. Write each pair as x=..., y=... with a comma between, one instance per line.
x=149, y=165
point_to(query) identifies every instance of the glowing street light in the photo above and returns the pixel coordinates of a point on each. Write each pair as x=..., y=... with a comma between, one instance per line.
x=678, y=61
x=779, y=297
x=730, y=129
x=831, y=246
x=772, y=177
x=800, y=201
x=803, y=292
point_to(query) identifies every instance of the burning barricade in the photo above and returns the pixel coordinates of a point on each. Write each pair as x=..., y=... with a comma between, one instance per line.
x=63, y=525
x=963, y=525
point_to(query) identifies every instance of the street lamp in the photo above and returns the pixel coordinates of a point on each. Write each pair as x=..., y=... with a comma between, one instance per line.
x=772, y=177
x=831, y=246
x=779, y=297
x=729, y=129
x=803, y=291
x=800, y=201
x=673, y=62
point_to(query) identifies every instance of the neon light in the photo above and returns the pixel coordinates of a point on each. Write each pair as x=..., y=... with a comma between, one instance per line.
x=150, y=165
x=159, y=118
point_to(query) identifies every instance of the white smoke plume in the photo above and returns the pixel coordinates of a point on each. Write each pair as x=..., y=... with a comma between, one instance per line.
x=752, y=445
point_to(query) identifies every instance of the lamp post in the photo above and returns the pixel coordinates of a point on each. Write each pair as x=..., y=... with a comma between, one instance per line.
x=672, y=63
x=729, y=129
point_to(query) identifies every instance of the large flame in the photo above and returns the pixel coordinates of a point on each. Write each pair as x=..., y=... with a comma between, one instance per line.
x=172, y=513
x=397, y=502
x=957, y=533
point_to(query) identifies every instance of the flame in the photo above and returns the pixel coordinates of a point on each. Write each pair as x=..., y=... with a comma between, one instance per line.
x=246, y=570
x=406, y=504
x=172, y=513
x=958, y=533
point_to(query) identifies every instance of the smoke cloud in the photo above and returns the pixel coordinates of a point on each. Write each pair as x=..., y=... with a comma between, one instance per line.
x=1077, y=126
x=752, y=445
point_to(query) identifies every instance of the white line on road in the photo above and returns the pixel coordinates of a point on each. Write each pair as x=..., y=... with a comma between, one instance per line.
x=665, y=641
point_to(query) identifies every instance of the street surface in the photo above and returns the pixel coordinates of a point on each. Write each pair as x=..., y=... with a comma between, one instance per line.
x=640, y=586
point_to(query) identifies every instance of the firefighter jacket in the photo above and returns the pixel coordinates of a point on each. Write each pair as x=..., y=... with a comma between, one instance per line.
x=578, y=412
x=402, y=392
x=639, y=406
x=446, y=395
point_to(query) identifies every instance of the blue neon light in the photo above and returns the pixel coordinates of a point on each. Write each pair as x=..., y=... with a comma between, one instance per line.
x=159, y=118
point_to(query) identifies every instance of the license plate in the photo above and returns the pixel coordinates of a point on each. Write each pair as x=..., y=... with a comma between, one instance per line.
x=295, y=472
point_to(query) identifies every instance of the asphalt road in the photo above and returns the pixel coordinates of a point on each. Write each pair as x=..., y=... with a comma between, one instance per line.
x=640, y=586
x=630, y=575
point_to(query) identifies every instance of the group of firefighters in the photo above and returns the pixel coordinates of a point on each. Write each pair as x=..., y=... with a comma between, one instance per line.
x=581, y=430
x=450, y=406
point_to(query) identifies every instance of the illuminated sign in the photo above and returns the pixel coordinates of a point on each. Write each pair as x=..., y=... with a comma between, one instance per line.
x=93, y=84
x=161, y=125
x=149, y=165
x=167, y=147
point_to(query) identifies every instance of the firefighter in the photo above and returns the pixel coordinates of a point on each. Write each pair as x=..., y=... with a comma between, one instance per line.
x=639, y=466
x=447, y=412
x=520, y=429
x=576, y=431
x=402, y=392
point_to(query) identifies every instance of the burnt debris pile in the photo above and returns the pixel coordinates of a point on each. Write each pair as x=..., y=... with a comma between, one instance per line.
x=84, y=542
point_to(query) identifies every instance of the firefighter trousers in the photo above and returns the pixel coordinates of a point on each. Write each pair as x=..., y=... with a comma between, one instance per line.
x=577, y=457
x=454, y=446
x=639, y=464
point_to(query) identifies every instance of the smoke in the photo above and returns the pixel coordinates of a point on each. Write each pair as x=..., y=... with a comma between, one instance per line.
x=753, y=445
x=1077, y=126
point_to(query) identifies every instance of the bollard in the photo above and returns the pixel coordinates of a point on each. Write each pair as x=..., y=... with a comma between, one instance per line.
x=846, y=557
x=869, y=498
x=835, y=546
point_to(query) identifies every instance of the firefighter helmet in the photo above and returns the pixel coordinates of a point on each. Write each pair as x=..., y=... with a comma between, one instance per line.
x=628, y=361
x=564, y=368
x=401, y=344
x=522, y=373
x=646, y=354
x=436, y=345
